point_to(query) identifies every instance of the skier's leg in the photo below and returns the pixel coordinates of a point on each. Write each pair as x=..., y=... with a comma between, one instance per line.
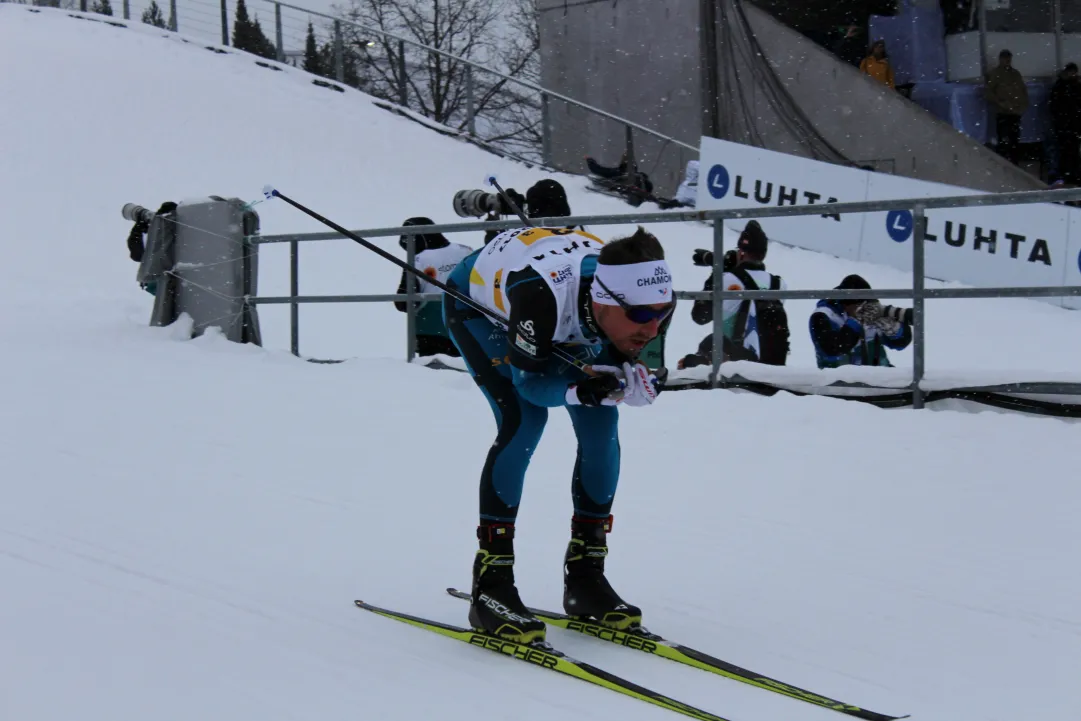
x=596, y=469
x=496, y=606
x=586, y=591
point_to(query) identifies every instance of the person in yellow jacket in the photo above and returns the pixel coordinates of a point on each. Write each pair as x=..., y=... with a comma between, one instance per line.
x=877, y=65
x=1007, y=97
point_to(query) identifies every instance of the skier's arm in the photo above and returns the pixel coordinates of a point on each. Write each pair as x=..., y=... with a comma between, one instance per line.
x=532, y=325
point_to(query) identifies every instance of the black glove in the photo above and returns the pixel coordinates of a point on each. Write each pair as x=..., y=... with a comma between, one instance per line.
x=518, y=198
x=167, y=207
x=135, y=242
x=604, y=389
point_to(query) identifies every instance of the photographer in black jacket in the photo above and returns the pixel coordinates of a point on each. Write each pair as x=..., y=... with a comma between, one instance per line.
x=754, y=330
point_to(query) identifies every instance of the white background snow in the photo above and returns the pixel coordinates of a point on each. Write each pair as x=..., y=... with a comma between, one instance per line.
x=185, y=523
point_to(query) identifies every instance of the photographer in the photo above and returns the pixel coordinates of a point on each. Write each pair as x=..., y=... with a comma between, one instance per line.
x=545, y=199
x=851, y=331
x=753, y=330
x=436, y=257
x=136, y=248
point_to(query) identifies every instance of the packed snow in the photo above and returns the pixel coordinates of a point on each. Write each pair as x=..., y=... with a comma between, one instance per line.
x=185, y=523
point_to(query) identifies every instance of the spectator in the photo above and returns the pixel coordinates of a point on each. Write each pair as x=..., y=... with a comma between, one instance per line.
x=1008, y=97
x=753, y=330
x=1066, y=124
x=136, y=248
x=877, y=64
x=436, y=257
x=545, y=199
x=851, y=331
x=632, y=176
x=687, y=193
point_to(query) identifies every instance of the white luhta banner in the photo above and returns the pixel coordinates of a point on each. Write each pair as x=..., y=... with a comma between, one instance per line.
x=1020, y=245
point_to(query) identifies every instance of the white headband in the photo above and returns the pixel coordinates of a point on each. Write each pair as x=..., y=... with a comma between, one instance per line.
x=636, y=284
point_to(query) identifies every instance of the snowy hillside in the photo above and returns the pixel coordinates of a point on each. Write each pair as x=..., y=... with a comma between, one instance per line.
x=184, y=524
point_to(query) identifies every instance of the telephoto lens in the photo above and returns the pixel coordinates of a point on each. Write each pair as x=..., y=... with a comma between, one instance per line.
x=136, y=213
x=475, y=203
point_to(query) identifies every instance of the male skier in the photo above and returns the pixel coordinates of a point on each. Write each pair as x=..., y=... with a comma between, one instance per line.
x=603, y=303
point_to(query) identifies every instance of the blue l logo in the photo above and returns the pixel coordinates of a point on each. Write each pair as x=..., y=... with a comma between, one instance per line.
x=718, y=181
x=899, y=225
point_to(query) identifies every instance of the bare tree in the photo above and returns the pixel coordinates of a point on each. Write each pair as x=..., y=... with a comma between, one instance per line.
x=496, y=34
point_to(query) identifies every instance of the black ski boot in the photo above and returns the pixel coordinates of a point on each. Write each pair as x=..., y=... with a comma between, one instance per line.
x=496, y=608
x=586, y=592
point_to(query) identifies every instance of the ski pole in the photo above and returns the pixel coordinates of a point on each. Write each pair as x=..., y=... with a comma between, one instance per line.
x=510, y=201
x=270, y=192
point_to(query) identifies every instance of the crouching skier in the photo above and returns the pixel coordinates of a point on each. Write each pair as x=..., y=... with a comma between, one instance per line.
x=603, y=302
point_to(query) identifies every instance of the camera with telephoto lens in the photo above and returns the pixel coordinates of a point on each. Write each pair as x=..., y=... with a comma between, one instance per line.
x=475, y=203
x=704, y=257
x=904, y=315
x=137, y=213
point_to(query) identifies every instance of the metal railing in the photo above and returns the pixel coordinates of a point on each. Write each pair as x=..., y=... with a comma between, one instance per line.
x=918, y=292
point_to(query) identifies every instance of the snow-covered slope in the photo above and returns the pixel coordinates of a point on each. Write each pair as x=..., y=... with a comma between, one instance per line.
x=185, y=523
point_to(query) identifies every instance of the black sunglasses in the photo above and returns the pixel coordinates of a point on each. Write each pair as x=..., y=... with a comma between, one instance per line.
x=640, y=314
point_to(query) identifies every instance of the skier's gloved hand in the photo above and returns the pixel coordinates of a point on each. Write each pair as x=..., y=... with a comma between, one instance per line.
x=643, y=386
x=605, y=389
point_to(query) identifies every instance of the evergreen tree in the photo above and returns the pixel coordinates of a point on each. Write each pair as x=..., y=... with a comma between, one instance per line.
x=152, y=15
x=248, y=34
x=312, y=61
x=350, y=65
x=241, y=27
x=261, y=44
x=102, y=7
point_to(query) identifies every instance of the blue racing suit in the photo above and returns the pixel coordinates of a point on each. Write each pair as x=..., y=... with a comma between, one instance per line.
x=522, y=386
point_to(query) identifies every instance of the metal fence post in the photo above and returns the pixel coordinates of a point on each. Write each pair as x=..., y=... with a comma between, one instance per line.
x=224, y=24
x=546, y=131
x=919, y=232
x=339, y=53
x=470, y=110
x=294, y=291
x=718, y=302
x=278, y=32
x=403, y=87
x=410, y=303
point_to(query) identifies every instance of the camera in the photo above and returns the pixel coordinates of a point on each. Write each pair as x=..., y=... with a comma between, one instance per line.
x=137, y=213
x=903, y=315
x=475, y=203
x=704, y=257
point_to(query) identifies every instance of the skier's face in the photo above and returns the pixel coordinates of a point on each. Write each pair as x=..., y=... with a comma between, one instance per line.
x=629, y=337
